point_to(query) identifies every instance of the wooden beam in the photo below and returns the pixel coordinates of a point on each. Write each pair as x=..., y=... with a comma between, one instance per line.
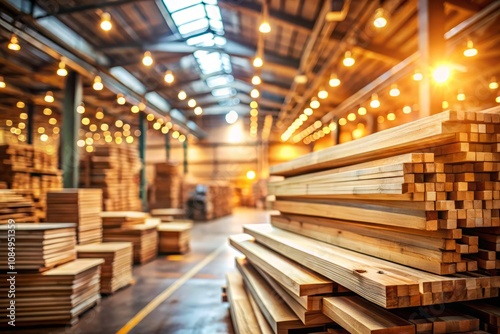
x=77, y=9
x=464, y=5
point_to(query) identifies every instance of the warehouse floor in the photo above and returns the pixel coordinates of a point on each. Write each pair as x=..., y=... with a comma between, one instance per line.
x=193, y=307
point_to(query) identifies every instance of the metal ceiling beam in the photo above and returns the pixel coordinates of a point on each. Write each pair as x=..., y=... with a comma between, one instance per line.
x=254, y=9
x=77, y=9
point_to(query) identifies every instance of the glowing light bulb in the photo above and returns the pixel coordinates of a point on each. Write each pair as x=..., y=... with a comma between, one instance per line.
x=461, y=95
x=251, y=175
x=44, y=137
x=14, y=43
x=169, y=77
x=135, y=109
x=254, y=105
x=198, y=111
x=441, y=73
x=147, y=59
x=362, y=111
x=182, y=95
x=493, y=83
x=394, y=90
x=322, y=93
x=391, y=116
x=49, y=97
x=106, y=24
x=2, y=82
x=342, y=121
x=379, y=20
x=417, y=76
x=254, y=93
x=99, y=114
x=406, y=109
x=231, y=117
x=314, y=103
x=120, y=99
x=254, y=112
x=20, y=104
x=265, y=27
x=348, y=59
x=374, y=103
x=192, y=103
x=445, y=104
x=48, y=111
x=470, y=51
x=256, y=80
x=150, y=117
x=81, y=108
x=61, y=71
x=334, y=80
x=308, y=111
x=258, y=62
x=97, y=83
x=351, y=117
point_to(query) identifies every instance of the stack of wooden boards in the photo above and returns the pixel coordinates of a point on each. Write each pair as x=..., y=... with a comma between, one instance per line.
x=80, y=206
x=115, y=169
x=174, y=237
x=210, y=200
x=167, y=187
x=116, y=271
x=134, y=227
x=17, y=207
x=169, y=214
x=30, y=170
x=55, y=297
x=385, y=217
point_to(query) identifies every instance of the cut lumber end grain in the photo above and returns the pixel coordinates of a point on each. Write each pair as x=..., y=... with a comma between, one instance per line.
x=242, y=315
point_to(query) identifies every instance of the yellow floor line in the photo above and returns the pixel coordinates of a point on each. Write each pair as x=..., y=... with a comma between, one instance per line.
x=168, y=292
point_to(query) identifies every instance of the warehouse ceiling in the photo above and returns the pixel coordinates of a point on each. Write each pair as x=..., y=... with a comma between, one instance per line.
x=209, y=48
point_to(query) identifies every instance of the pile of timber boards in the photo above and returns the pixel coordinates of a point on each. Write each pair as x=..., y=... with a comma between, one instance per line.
x=27, y=169
x=168, y=214
x=207, y=201
x=115, y=169
x=134, y=227
x=80, y=206
x=39, y=247
x=174, y=237
x=55, y=297
x=167, y=186
x=116, y=271
x=407, y=217
x=17, y=207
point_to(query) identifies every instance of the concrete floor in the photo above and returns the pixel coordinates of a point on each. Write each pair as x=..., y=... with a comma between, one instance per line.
x=195, y=308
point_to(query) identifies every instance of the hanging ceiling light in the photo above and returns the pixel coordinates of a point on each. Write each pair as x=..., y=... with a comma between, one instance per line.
x=106, y=24
x=493, y=83
x=254, y=105
x=308, y=111
x=198, y=110
x=14, y=43
x=314, y=103
x=258, y=62
x=97, y=83
x=362, y=111
x=49, y=97
x=265, y=27
x=48, y=111
x=470, y=51
x=441, y=73
x=192, y=103
x=322, y=93
x=460, y=95
x=81, y=108
x=182, y=95
x=61, y=71
x=147, y=59
x=334, y=80
x=394, y=90
x=417, y=75
x=374, y=103
x=256, y=80
x=135, y=109
x=406, y=109
x=348, y=59
x=20, y=104
x=2, y=82
x=231, y=117
x=254, y=93
x=120, y=99
x=169, y=77
x=380, y=19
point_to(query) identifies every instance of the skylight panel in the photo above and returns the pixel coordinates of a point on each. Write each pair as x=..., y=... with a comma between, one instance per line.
x=229, y=102
x=193, y=27
x=213, y=12
x=220, y=41
x=175, y=5
x=189, y=14
x=210, y=2
x=219, y=80
x=217, y=26
x=202, y=40
x=224, y=92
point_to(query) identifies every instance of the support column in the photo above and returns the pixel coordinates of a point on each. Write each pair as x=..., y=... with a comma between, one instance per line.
x=70, y=161
x=30, y=122
x=167, y=145
x=185, y=146
x=143, y=186
x=431, y=42
x=336, y=133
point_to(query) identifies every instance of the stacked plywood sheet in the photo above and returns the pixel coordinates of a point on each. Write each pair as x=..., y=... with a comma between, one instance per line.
x=17, y=207
x=116, y=271
x=38, y=247
x=167, y=186
x=80, y=206
x=387, y=217
x=174, y=237
x=209, y=201
x=133, y=227
x=30, y=171
x=115, y=169
x=54, y=297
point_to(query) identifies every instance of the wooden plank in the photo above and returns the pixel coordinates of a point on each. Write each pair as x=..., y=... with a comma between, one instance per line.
x=242, y=315
x=362, y=317
x=296, y=278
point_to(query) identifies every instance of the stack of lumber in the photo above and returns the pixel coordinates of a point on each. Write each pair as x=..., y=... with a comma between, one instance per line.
x=80, y=206
x=116, y=271
x=30, y=170
x=134, y=227
x=17, y=207
x=405, y=218
x=209, y=200
x=39, y=247
x=168, y=214
x=115, y=169
x=174, y=237
x=167, y=186
x=55, y=297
